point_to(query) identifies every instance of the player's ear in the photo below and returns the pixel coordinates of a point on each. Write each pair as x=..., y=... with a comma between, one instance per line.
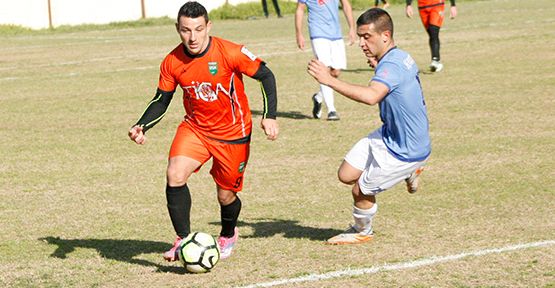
x=386, y=35
x=208, y=26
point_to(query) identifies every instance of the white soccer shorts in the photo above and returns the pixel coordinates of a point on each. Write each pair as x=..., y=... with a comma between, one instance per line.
x=330, y=52
x=380, y=169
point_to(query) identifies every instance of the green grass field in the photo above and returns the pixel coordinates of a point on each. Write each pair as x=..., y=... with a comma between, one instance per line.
x=82, y=206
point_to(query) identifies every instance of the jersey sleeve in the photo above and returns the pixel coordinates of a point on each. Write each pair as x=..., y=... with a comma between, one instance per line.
x=167, y=81
x=388, y=74
x=245, y=62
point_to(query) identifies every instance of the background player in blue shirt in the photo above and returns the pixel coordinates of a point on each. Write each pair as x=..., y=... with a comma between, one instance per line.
x=327, y=43
x=397, y=150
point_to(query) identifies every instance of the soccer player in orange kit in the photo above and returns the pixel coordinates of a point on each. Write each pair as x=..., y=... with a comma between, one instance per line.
x=431, y=14
x=217, y=123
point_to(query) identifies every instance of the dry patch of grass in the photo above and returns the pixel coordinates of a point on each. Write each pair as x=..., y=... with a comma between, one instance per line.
x=82, y=206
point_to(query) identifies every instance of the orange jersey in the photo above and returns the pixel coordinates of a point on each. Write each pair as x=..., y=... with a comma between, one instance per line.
x=213, y=91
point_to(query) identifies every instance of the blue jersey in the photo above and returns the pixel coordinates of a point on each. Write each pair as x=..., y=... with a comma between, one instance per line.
x=403, y=110
x=323, y=19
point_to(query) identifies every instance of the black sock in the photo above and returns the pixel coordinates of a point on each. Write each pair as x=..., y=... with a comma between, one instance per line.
x=433, y=32
x=229, y=215
x=179, y=206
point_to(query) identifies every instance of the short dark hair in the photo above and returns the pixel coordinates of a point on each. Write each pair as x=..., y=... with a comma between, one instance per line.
x=192, y=9
x=381, y=19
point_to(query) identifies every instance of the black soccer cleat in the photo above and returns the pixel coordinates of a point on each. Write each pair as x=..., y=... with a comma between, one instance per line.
x=332, y=116
x=316, y=107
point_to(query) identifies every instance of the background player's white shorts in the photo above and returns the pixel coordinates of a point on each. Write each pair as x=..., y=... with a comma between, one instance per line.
x=380, y=169
x=330, y=52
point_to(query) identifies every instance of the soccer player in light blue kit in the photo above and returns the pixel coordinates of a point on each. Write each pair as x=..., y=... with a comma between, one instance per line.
x=396, y=151
x=327, y=43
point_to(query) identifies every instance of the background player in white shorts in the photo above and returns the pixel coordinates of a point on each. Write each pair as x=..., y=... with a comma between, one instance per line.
x=396, y=151
x=327, y=43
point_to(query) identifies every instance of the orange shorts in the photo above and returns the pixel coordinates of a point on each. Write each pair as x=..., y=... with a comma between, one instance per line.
x=432, y=16
x=229, y=160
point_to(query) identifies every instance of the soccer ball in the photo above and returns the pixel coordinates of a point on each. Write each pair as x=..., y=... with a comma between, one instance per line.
x=199, y=252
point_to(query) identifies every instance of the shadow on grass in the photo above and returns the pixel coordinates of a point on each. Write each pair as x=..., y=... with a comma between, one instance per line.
x=357, y=70
x=264, y=228
x=288, y=114
x=128, y=250
x=119, y=250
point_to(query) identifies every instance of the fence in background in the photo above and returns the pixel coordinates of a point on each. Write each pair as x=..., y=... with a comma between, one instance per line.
x=39, y=14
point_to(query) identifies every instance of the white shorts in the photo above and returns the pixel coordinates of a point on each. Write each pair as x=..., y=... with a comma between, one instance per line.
x=380, y=169
x=330, y=52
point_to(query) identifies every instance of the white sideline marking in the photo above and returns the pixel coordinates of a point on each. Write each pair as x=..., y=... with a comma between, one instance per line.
x=400, y=266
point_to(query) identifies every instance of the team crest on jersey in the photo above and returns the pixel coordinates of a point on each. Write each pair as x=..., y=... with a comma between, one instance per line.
x=249, y=54
x=213, y=67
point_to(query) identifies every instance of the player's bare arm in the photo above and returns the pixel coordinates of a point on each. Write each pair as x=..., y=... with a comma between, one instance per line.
x=299, y=14
x=348, y=11
x=370, y=95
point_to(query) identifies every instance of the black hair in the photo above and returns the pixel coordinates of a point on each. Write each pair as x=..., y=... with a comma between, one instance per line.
x=381, y=19
x=192, y=9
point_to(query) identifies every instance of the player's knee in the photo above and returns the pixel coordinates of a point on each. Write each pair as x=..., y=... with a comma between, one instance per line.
x=433, y=31
x=345, y=177
x=225, y=197
x=176, y=177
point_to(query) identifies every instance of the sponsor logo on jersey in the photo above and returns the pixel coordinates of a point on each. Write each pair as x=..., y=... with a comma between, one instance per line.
x=204, y=91
x=213, y=67
x=249, y=54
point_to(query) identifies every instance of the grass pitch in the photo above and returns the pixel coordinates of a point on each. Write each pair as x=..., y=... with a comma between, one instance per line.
x=83, y=206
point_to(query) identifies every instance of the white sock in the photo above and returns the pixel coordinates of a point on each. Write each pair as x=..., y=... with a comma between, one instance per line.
x=318, y=97
x=363, y=218
x=327, y=93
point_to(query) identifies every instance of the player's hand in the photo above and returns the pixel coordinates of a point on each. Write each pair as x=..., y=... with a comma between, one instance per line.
x=408, y=11
x=300, y=41
x=137, y=135
x=270, y=127
x=453, y=12
x=319, y=71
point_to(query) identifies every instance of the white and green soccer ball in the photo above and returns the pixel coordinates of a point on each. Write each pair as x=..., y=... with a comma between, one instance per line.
x=199, y=252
